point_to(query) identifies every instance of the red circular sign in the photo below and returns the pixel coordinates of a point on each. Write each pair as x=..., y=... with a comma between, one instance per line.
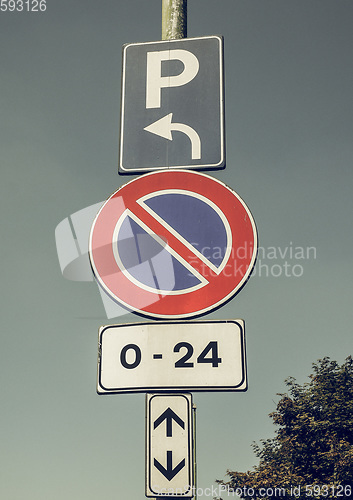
x=173, y=244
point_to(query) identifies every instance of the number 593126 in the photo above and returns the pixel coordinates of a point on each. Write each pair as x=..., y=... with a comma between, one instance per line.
x=23, y=5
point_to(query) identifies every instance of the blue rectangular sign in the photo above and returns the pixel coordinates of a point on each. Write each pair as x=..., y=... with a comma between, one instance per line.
x=172, y=105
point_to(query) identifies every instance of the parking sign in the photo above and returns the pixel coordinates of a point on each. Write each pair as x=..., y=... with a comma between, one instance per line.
x=172, y=105
x=173, y=244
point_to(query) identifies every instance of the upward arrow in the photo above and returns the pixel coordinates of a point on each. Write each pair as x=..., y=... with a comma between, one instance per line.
x=169, y=416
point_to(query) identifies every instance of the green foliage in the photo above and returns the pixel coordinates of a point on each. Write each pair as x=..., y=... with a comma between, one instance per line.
x=313, y=444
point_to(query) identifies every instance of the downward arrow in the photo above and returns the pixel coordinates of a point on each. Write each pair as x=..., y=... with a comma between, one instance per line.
x=169, y=472
x=169, y=416
x=164, y=126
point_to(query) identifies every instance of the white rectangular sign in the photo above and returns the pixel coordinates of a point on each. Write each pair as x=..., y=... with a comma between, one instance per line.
x=167, y=356
x=169, y=445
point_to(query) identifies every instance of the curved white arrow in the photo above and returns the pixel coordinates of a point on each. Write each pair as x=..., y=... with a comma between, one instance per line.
x=164, y=126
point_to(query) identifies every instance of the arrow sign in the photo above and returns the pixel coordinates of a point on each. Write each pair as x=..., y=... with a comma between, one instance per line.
x=164, y=127
x=169, y=448
x=184, y=78
x=169, y=472
x=169, y=416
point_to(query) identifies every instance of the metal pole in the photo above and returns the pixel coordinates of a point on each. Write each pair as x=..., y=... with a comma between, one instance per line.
x=194, y=440
x=174, y=26
x=174, y=19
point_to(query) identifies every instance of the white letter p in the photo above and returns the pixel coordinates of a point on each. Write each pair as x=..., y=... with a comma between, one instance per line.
x=154, y=79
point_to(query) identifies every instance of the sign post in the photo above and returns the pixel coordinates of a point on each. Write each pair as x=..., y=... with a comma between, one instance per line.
x=172, y=105
x=174, y=19
x=171, y=245
x=169, y=446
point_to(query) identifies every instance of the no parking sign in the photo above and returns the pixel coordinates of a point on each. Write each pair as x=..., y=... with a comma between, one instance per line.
x=173, y=244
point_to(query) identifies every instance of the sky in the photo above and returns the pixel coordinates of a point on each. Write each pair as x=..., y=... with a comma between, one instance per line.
x=289, y=126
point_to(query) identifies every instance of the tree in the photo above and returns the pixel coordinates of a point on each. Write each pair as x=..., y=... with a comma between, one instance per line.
x=312, y=450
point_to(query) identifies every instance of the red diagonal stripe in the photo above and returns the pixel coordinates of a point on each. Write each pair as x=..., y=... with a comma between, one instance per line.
x=178, y=246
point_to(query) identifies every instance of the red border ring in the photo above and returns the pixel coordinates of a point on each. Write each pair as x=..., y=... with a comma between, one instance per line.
x=221, y=287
